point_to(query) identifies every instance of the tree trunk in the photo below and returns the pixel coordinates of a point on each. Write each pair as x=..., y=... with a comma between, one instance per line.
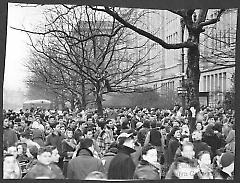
x=99, y=104
x=84, y=103
x=193, y=77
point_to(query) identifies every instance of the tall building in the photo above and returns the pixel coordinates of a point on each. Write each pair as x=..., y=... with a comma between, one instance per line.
x=217, y=53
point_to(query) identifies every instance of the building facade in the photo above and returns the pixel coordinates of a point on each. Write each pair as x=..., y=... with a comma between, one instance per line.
x=217, y=54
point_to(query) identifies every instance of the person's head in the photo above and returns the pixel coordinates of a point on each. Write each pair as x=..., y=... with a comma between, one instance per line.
x=177, y=134
x=204, y=158
x=89, y=121
x=184, y=168
x=21, y=148
x=187, y=150
x=51, y=119
x=69, y=133
x=12, y=150
x=86, y=143
x=146, y=123
x=89, y=133
x=15, y=126
x=227, y=162
x=125, y=139
x=185, y=130
x=44, y=155
x=149, y=154
x=199, y=126
x=62, y=129
x=6, y=123
x=184, y=139
x=56, y=128
x=196, y=135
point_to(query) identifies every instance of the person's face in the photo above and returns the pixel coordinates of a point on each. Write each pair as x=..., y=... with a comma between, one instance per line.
x=151, y=156
x=69, y=134
x=177, y=134
x=205, y=159
x=185, y=171
x=15, y=127
x=55, y=156
x=199, y=126
x=19, y=149
x=197, y=135
x=163, y=131
x=45, y=158
x=188, y=151
x=6, y=123
x=57, y=128
x=110, y=124
x=62, y=130
x=51, y=120
x=89, y=134
x=89, y=121
x=101, y=120
x=13, y=151
x=185, y=140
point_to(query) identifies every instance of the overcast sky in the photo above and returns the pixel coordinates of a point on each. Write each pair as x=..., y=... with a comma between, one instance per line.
x=16, y=48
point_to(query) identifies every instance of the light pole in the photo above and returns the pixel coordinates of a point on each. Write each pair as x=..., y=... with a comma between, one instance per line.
x=183, y=70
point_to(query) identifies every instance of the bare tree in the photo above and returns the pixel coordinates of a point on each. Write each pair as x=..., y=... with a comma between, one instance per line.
x=78, y=42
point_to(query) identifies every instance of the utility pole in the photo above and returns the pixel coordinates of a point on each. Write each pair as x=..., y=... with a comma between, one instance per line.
x=183, y=70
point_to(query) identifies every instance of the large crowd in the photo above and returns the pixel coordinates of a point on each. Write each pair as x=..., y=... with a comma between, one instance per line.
x=123, y=143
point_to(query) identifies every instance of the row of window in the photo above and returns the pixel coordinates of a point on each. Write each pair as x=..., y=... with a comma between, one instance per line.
x=215, y=82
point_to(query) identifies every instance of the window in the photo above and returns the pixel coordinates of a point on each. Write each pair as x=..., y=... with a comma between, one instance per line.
x=204, y=83
x=224, y=81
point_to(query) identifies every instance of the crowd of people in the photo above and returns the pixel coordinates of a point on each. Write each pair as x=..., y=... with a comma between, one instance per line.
x=123, y=143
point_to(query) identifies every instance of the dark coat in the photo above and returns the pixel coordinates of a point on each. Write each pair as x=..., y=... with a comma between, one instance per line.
x=146, y=171
x=213, y=141
x=80, y=166
x=141, y=135
x=122, y=166
x=107, y=158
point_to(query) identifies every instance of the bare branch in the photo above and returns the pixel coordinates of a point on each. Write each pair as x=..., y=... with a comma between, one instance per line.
x=213, y=21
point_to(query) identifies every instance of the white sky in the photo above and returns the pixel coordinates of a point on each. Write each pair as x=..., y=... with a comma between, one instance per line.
x=16, y=48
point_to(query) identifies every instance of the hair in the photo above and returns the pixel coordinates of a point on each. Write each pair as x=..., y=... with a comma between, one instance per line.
x=183, y=137
x=199, y=155
x=86, y=143
x=70, y=129
x=154, y=124
x=146, y=124
x=42, y=150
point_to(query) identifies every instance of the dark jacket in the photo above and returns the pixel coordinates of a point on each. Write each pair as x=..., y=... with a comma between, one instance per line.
x=55, y=140
x=146, y=171
x=66, y=147
x=51, y=171
x=122, y=165
x=213, y=141
x=107, y=158
x=80, y=166
x=172, y=148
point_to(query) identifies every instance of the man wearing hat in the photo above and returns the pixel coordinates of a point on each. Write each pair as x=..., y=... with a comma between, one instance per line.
x=122, y=165
x=227, y=166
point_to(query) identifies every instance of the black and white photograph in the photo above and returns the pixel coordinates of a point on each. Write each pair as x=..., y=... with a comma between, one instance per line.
x=115, y=93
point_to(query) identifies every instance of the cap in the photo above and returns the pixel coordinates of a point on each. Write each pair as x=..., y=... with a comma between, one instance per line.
x=126, y=135
x=227, y=159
